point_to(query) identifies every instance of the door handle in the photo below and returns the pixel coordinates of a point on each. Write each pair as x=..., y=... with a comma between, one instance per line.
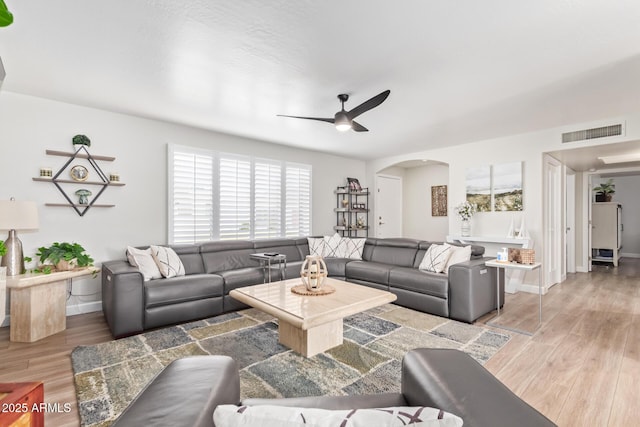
x=380, y=223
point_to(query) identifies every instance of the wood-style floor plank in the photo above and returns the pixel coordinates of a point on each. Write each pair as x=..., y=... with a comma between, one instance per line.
x=580, y=368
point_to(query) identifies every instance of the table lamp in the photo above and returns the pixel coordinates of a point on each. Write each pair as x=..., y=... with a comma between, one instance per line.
x=16, y=215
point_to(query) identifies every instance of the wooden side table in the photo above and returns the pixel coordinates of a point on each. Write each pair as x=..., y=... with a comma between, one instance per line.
x=17, y=403
x=521, y=267
x=39, y=303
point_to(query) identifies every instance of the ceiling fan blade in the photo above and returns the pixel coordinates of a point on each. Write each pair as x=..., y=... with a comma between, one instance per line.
x=308, y=118
x=369, y=104
x=358, y=127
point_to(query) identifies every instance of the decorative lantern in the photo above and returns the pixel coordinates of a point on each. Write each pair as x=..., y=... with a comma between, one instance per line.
x=313, y=272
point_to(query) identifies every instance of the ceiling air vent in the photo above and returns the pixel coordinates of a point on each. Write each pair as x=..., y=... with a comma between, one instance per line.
x=583, y=135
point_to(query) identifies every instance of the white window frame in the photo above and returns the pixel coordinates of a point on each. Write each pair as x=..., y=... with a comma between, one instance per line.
x=216, y=158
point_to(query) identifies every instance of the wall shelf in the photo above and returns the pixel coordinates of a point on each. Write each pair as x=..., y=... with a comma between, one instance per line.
x=81, y=153
x=70, y=181
x=78, y=205
x=347, y=216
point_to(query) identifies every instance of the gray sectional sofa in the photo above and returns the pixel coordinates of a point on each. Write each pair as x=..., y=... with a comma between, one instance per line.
x=131, y=305
x=441, y=378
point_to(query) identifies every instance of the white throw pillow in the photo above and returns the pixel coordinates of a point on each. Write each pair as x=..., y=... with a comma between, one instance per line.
x=143, y=261
x=316, y=246
x=435, y=260
x=333, y=247
x=458, y=254
x=168, y=261
x=352, y=248
x=279, y=416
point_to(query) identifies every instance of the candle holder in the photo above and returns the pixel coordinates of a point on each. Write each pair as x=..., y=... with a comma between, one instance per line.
x=313, y=272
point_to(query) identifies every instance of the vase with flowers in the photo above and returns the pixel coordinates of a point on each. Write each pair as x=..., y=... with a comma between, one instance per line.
x=465, y=211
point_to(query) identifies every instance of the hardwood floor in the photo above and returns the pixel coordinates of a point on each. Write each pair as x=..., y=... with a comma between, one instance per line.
x=580, y=368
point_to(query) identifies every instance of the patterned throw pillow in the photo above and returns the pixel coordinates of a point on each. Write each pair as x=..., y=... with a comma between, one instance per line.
x=435, y=260
x=333, y=247
x=352, y=248
x=168, y=261
x=316, y=246
x=279, y=416
x=143, y=261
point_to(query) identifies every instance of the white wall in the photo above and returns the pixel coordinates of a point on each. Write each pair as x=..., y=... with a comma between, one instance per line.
x=29, y=126
x=627, y=195
x=529, y=149
x=417, y=220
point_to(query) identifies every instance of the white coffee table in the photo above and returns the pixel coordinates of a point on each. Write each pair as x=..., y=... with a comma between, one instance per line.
x=311, y=324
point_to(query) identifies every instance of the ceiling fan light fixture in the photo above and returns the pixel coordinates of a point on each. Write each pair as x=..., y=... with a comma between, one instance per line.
x=342, y=121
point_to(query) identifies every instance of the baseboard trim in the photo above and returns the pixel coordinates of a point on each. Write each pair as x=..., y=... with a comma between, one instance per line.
x=85, y=307
x=629, y=255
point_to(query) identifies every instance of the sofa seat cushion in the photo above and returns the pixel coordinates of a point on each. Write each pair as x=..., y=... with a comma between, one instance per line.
x=242, y=277
x=419, y=281
x=369, y=271
x=181, y=289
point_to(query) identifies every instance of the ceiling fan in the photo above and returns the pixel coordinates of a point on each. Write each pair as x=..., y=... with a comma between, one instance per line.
x=343, y=120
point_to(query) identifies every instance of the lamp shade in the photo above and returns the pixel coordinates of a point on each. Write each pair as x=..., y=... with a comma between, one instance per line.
x=18, y=215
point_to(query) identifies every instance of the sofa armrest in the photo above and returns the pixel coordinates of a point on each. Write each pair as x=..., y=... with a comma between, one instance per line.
x=453, y=381
x=472, y=290
x=185, y=393
x=122, y=298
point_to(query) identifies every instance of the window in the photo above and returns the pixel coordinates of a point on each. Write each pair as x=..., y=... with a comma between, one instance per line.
x=191, y=213
x=224, y=196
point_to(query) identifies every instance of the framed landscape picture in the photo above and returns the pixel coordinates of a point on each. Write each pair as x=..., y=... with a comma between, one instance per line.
x=478, y=183
x=507, y=187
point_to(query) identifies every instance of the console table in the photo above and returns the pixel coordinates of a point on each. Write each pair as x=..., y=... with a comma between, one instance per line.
x=39, y=303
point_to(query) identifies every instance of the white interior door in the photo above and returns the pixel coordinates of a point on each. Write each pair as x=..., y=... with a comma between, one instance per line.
x=553, y=232
x=388, y=214
x=570, y=221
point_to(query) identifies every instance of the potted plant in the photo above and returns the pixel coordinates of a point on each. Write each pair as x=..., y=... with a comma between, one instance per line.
x=605, y=190
x=65, y=256
x=465, y=211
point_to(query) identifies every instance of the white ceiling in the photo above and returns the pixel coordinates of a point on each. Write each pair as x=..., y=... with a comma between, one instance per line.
x=458, y=71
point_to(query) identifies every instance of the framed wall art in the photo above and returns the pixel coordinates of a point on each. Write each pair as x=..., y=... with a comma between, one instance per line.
x=439, y=200
x=478, y=183
x=507, y=187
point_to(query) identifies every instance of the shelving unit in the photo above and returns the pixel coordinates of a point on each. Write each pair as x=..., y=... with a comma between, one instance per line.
x=347, y=214
x=103, y=182
x=606, y=237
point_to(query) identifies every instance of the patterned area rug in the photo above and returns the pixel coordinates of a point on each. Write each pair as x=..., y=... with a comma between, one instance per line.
x=108, y=376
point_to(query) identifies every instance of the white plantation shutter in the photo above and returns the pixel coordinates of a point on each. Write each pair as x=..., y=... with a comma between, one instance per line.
x=235, y=198
x=267, y=199
x=225, y=196
x=298, y=200
x=191, y=197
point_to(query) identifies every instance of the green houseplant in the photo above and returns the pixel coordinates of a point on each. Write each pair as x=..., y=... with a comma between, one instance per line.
x=606, y=190
x=65, y=256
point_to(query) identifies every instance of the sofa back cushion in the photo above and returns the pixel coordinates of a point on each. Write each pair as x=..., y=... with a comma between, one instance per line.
x=227, y=255
x=400, y=252
x=303, y=247
x=287, y=247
